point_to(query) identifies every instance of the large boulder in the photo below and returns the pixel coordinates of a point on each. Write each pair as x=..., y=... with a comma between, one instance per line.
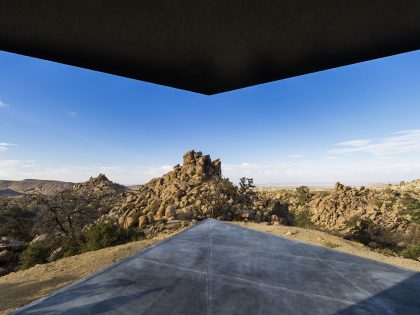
x=170, y=212
x=189, y=158
x=130, y=222
x=143, y=221
x=39, y=239
x=185, y=214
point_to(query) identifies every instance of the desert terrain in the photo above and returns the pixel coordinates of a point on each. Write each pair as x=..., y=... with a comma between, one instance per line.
x=54, y=233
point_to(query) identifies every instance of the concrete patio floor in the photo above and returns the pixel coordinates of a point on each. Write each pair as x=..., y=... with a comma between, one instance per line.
x=219, y=268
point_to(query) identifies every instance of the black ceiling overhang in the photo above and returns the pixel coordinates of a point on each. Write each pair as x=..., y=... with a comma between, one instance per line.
x=209, y=46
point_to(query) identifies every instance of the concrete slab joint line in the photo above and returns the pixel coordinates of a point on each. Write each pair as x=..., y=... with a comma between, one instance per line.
x=220, y=268
x=208, y=294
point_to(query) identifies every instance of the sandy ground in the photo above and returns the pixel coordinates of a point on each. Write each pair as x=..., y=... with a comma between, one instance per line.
x=331, y=241
x=20, y=288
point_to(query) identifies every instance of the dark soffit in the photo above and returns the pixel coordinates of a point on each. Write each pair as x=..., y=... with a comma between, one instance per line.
x=209, y=46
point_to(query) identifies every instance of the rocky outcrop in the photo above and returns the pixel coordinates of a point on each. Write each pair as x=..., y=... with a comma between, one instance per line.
x=10, y=250
x=98, y=186
x=178, y=194
x=345, y=209
x=194, y=191
x=105, y=194
x=391, y=212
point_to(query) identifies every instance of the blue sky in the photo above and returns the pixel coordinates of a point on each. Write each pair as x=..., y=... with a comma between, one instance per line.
x=356, y=124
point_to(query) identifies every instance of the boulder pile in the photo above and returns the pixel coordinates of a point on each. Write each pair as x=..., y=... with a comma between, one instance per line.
x=176, y=195
x=345, y=206
x=102, y=192
x=194, y=191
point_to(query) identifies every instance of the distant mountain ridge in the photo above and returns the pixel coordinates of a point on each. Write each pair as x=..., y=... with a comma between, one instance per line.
x=31, y=186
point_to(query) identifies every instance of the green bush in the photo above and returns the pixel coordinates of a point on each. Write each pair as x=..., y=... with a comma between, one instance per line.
x=323, y=193
x=246, y=184
x=107, y=234
x=303, y=219
x=379, y=203
x=411, y=207
x=368, y=233
x=411, y=252
x=365, y=232
x=16, y=222
x=71, y=247
x=303, y=194
x=34, y=254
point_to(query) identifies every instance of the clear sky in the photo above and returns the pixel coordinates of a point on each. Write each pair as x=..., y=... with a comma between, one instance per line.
x=357, y=124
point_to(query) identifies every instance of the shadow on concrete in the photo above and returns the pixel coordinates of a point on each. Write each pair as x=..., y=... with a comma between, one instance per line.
x=407, y=292
x=97, y=307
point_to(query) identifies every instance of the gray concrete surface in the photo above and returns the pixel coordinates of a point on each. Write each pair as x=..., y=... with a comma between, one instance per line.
x=219, y=268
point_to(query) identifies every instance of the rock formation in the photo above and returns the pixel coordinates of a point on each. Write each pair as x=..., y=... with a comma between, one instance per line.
x=194, y=191
x=335, y=211
x=9, y=254
x=100, y=190
x=176, y=195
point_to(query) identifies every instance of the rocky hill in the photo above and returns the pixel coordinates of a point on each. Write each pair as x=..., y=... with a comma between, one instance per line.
x=407, y=186
x=393, y=211
x=379, y=217
x=52, y=215
x=382, y=218
x=105, y=194
x=35, y=186
x=194, y=190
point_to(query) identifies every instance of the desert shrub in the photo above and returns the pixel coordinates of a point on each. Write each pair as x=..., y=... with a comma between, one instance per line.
x=107, y=234
x=331, y=245
x=411, y=207
x=323, y=193
x=392, y=199
x=411, y=252
x=303, y=194
x=303, y=218
x=368, y=233
x=379, y=203
x=71, y=247
x=16, y=222
x=34, y=254
x=365, y=231
x=281, y=210
x=64, y=214
x=385, y=251
x=384, y=238
x=227, y=187
x=246, y=184
x=217, y=201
